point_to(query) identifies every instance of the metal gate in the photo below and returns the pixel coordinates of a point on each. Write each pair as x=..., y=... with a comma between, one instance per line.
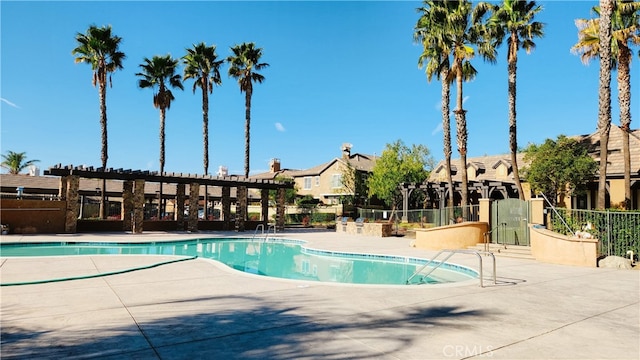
x=509, y=222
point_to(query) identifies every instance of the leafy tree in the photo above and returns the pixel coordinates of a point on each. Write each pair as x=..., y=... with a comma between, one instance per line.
x=354, y=185
x=243, y=65
x=625, y=24
x=289, y=194
x=558, y=166
x=99, y=48
x=202, y=66
x=16, y=162
x=398, y=164
x=160, y=72
x=514, y=19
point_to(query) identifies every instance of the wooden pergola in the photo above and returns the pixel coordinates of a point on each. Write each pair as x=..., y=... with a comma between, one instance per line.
x=133, y=195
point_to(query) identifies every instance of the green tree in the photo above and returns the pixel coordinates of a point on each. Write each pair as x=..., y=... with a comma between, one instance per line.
x=354, y=185
x=558, y=166
x=99, y=48
x=202, y=65
x=289, y=194
x=398, y=164
x=15, y=162
x=625, y=20
x=243, y=66
x=514, y=19
x=429, y=32
x=159, y=73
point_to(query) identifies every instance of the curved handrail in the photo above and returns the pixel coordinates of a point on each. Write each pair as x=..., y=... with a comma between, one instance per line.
x=451, y=253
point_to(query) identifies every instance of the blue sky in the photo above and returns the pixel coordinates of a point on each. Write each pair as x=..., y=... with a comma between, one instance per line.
x=340, y=72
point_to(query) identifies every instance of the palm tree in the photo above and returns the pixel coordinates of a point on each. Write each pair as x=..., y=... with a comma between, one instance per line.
x=464, y=27
x=625, y=24
x=99, y=48
x=243, y=65
x=16, y=162
x=514, y=20
x=202, y=66
x=604, y=96
x=160, y=73
x=435, y=59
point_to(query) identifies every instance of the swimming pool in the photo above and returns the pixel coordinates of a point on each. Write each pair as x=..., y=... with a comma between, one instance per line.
x=279, y=258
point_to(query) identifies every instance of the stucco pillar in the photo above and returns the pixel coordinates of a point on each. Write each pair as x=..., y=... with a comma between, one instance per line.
x=138, y=206
x=62, y=189
x=72, y=208
x=241, y=207
x=484, y=211
x=280, y=209
x=536, y=214
x=180, y=197
x=264, y=201
x=226, y=207
x=194, y=197
x=127, y=205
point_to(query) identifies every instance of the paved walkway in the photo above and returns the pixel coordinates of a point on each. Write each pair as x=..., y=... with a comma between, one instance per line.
x=199, y=309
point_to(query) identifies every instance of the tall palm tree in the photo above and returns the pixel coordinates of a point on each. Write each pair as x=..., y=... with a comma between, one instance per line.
x=435, y=58
x=625, y=21
x=243, y=65
x=159, y=73
x=465, y=26
x=16, y=162
x=513, y=19
x=202, y=65
x=99, y=48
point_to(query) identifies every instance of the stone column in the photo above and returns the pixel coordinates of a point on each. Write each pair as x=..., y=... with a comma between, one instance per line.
x=194, y=197
x=180, y=197
x=62, y=189
x=280, y=209
x=72, y=208
x=127, y=205
x=138, y=206
x=264, y=201
x=241, y=207
x=226, y=207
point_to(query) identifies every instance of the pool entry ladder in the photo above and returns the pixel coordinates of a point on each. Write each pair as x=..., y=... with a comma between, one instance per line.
x=266, y=235
x=450, y=254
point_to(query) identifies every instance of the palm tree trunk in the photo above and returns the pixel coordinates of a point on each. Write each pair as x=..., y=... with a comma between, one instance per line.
x=205, y=138
x=461, y=128
x=247, y=127
x=513, y=138
x=624, y=101
x=446, y=130
x=104, y=154
x=604, y=96
x=162, y=120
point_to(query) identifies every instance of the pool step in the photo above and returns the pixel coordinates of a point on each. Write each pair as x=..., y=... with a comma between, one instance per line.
x=511, y=251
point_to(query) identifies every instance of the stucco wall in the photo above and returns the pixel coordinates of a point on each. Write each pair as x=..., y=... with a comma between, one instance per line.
x=33, y=216
x=457, y=236
x=551, y=247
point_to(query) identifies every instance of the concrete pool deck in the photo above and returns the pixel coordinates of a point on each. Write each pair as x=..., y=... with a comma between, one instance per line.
x=199, y=309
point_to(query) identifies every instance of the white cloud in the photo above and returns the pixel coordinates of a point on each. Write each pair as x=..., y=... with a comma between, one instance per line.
x=279, y=127
x=437, y=129
x=9, y=103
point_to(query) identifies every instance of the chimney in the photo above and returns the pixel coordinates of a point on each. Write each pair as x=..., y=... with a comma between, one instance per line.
x=346, y=151
x=274, y=165
x=223, y=171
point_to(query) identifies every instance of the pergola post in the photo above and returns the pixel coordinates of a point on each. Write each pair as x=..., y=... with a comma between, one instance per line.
x=241, y=207
x=180, y=197
x=280, y=209
x=194, y=197
x=72, y=208
x=138, y=206
x=226, y=207
x=127, y=205
x=264, y=202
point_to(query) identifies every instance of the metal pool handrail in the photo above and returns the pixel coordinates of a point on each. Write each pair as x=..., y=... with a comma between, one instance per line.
x=451, y=253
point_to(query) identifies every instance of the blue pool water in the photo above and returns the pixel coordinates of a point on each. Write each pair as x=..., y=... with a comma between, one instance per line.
x=280, y=258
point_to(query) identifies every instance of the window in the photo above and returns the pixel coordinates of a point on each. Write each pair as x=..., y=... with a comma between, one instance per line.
x=336, y=181
x=317, y=180
x=307, y=183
